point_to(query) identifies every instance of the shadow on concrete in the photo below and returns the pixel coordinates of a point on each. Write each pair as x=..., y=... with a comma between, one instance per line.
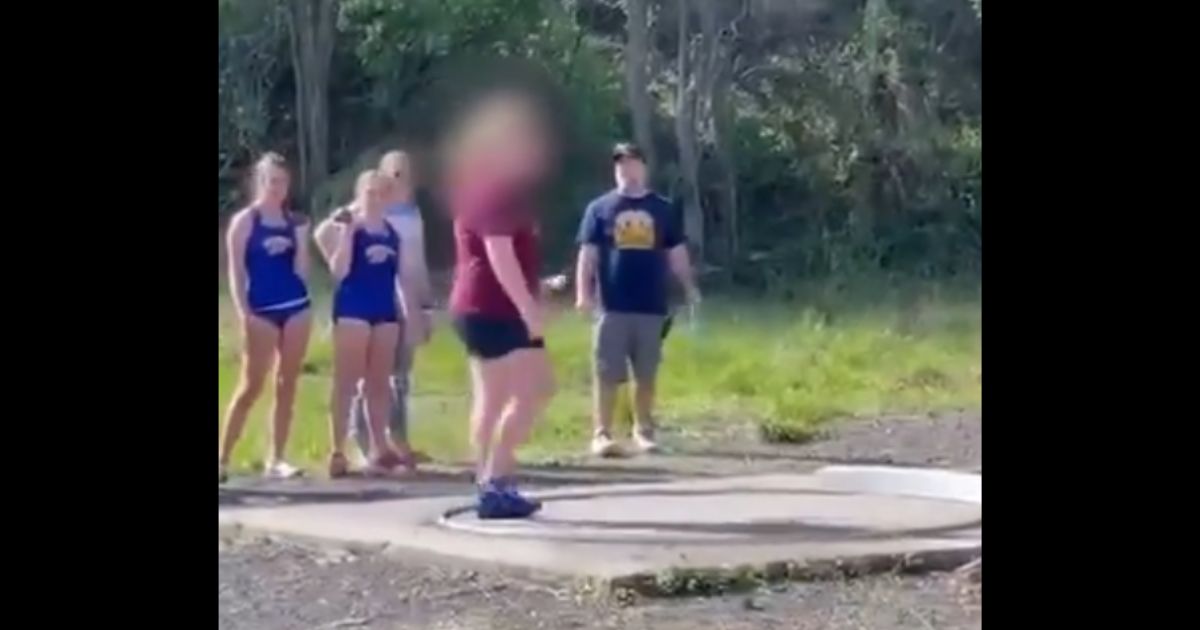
x=800, y=455
x=758, y=532
x=792, y=530
x=591, y=474
x=257, y=492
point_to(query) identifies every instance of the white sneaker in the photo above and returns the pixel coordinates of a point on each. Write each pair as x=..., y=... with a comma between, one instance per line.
x=360, y=461
x=644, y=442
x=281, y=470
x=604, y=446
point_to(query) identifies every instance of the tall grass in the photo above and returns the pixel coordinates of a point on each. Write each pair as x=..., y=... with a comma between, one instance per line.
x=788, y=367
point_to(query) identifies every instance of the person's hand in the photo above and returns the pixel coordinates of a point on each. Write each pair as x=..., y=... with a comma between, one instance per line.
x=555, y=284
x=534, y=322
x=584, y=303
x=693, y=295
x=427, y=326
x=422, y=327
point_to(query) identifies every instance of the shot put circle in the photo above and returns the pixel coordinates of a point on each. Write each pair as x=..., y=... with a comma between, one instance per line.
x=729, y=515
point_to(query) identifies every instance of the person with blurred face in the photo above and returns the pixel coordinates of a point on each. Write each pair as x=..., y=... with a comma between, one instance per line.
x=498, y=156
x=268, y=264
x=404, y=216
x=363, y=251
x=629, y=239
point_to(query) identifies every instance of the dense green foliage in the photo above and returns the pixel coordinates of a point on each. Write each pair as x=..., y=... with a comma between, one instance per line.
x=856, y=125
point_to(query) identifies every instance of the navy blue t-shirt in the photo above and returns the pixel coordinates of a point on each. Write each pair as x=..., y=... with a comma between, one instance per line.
x=633, y=235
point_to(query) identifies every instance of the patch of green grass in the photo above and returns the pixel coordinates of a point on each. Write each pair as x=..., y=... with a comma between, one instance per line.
x=788, y=367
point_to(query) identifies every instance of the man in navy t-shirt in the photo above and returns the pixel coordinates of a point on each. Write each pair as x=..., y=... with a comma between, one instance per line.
x=629, y=241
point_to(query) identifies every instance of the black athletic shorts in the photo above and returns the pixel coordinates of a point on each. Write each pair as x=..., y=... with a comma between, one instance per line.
x=491, y=337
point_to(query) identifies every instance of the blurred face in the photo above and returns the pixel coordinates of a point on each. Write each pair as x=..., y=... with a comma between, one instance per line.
x=527, y=151
x=397, y=167
x=273, y=183
x=370, y=193
x=630, y=173
x=506, y=138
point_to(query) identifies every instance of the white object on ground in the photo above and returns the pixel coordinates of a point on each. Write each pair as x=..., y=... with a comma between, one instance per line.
x=281, y=470
x=604, y=446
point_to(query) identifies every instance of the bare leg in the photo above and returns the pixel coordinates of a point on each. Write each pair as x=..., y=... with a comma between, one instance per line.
x=293, y=345
x=644, y=405
x=381, y=356
x=489, y=395
x=358, y=425
x=258, y=352
x=531, y=394
x=350, y=339
x=645, y=360
x=604, y=399
x=401, y=376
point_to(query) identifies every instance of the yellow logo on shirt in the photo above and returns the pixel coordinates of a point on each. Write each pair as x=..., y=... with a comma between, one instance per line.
x=377, y=254
x=633, y=229
x=276, y=245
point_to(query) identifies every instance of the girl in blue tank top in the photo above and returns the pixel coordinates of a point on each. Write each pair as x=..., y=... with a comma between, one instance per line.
x=363, y=252
x=368, y=290
x=268, y=262
x=276, y=291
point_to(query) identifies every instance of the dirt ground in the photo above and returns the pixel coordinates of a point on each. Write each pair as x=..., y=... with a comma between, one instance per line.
x=273, y=584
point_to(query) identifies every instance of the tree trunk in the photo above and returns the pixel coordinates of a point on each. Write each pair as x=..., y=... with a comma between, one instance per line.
x=636, y=83
x=685, y=136
x=716, y=115
x=723, y=129
x=312, y=33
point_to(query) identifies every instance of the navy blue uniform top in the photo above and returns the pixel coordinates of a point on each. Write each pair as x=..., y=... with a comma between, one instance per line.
x=369, y=289
x=633, y=235
x=271, y=266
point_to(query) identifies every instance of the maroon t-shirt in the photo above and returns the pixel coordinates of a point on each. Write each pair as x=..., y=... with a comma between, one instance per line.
x=481, y=210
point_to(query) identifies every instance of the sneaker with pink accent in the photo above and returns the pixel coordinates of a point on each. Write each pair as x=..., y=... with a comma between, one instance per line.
x=385, y=465
x=281, y=470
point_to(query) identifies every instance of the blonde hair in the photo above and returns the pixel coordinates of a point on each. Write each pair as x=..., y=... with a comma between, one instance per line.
x=363, y=180
x=268, y=160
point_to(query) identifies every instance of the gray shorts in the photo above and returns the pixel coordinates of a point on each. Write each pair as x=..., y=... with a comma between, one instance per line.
x=624, y=340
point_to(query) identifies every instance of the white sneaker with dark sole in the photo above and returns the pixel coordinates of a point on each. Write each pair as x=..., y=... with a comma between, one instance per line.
x=281, y=470
x=604, y=446
x=644, y=443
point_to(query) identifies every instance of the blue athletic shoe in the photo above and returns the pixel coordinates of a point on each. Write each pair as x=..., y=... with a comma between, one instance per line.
x=508, y=485
x=502, y=501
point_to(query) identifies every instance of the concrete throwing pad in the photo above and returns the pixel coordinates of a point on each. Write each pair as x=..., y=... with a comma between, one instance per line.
x=836, y=516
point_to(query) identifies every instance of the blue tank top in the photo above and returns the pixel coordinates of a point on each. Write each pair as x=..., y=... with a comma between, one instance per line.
x=271, y=266
x=369, y=289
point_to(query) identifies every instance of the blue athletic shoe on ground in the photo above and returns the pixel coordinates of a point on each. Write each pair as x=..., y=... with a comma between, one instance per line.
x=508, y=485
x=502, y=501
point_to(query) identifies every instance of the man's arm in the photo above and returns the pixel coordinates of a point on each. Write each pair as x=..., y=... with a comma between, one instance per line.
x=677, y=253
x=589, y=239
x=585, y=277
x=681, y=266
